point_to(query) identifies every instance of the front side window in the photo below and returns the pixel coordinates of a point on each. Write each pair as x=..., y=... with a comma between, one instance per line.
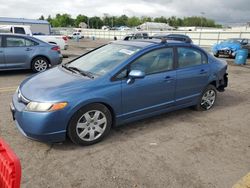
x=154, y=61
x=15, y=42
x=104, y=59
x=190, y=57
x=0, y=41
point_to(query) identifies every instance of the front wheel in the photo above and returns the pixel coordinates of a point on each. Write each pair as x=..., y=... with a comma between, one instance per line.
x=90, y=124
x=207, y=99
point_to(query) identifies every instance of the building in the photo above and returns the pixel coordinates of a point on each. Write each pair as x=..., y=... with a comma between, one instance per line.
x=83, y=25
x=154, y=26
x=37, y=26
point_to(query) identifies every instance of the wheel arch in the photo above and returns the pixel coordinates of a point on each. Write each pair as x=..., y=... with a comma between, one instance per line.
x=43, y=56
x=82, y=105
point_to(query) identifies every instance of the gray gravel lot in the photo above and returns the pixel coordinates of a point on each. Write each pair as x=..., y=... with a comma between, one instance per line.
x=184, y=148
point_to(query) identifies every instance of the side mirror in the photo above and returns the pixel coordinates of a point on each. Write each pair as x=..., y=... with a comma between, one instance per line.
x=135, y=74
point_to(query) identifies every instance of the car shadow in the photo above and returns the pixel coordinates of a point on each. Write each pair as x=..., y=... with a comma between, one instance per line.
x=135, y=129
x=15, y=73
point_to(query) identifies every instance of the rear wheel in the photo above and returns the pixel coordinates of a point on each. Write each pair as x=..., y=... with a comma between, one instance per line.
x=207, y=99
x=90, y=124
x=40, y=64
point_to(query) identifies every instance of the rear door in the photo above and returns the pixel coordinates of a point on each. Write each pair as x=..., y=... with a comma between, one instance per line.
x=18, y=51
x=2, y=62
x=192, y=74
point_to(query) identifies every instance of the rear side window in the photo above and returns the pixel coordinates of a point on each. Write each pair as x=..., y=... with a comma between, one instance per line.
x=30, y=43
x=19, y=30
x=188, y=57
x=15, y=42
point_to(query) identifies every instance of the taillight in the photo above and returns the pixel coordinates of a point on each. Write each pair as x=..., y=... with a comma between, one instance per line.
x=56, y=48
x=65, y=38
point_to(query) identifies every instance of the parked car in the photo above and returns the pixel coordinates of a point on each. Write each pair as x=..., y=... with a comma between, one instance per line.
x=61, y=41
x=177, y=37
x=75, y=35
x=137, y=35
x=25, y=52
x=230, y=47
x=115, y=84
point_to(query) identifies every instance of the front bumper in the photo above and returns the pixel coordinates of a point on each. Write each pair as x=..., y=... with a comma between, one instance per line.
x=223, y=83
x=228, y=52
x=41, y=126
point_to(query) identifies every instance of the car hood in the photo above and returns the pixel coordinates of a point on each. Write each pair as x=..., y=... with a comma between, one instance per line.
x=55, y=84
x=229, y=45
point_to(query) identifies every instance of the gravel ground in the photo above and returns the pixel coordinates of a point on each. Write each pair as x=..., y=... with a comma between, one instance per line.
x=184, y=148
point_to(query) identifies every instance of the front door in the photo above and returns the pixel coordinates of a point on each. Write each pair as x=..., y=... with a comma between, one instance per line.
x=156, y=90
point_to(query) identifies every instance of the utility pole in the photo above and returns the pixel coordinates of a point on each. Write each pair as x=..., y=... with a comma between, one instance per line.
x=202, y=13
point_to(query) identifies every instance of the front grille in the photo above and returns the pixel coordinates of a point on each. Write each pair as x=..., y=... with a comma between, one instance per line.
x=21, y=98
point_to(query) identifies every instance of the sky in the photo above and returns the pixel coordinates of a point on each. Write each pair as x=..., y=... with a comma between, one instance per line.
x=222, y=11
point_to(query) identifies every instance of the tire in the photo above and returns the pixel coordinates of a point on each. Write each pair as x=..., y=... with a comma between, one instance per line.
x=39, y=64
x=207, y=99
x=216, y=55
x=84, y=129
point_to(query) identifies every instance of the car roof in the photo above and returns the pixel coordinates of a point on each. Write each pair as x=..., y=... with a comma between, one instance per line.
x=146, y=42
x=178, y=35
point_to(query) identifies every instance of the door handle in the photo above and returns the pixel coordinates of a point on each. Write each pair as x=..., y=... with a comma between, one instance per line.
x=202, y=71
x=28, y=49
x=168, y=78
x=1, y=51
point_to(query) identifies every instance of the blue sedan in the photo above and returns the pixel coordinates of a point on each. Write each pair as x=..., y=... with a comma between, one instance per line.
x=25, y=52
x=115, y=84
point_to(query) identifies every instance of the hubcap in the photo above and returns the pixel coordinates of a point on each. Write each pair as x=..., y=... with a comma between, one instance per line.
x=40, y=65
x=91, y=125
x=208, y=99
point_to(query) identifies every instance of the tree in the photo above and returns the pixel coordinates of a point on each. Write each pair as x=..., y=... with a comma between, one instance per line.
x=80, y=18
x=133, y=21
x=65, y=20
x=41, y=17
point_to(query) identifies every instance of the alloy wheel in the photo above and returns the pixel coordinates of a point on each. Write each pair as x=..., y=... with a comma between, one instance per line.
x=208, y=99
x=40, y=65
x=91, y=125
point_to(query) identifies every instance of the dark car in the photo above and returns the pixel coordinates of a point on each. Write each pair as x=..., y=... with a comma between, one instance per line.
x=26, y=52
x=137, y=35
x=116, y=84
x=229, y=47
x=177, y=37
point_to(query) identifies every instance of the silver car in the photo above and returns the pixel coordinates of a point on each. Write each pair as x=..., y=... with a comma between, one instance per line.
x=25, y=52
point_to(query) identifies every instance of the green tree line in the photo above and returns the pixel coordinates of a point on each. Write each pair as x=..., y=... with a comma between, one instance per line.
x=66, y=20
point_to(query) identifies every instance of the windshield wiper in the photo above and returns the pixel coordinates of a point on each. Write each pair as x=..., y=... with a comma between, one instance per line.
x=84, y=73
x=66, y=67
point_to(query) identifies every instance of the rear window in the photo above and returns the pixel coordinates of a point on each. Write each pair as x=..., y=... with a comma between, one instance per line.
x=19, y=30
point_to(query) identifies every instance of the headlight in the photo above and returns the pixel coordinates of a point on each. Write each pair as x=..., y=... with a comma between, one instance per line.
x=17, y=89
x=45, y=107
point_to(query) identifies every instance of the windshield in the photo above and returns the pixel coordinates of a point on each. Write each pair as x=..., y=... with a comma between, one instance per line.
x=233, y=40
x=104, y=59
